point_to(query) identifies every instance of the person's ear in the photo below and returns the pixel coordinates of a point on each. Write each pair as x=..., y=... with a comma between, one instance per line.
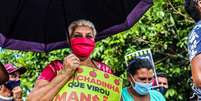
x=131, y=82
x=129, y=78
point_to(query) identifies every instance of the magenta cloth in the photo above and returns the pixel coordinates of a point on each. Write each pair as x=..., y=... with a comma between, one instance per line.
x=10, y=68
x=51, y=69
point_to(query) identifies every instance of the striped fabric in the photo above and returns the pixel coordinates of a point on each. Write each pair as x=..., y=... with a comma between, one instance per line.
x=197, y=91
x=10, y=68
x=51, y=69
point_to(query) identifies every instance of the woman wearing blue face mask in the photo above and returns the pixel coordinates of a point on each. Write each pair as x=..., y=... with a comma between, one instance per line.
x=140, y=75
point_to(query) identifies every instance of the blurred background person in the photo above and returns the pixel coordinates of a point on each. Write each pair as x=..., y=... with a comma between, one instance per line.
x=162, y=82
x=11, y=91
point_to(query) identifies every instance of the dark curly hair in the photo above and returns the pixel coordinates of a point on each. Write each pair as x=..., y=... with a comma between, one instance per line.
x=137, y=64
x=193, y=10
x=161, y=74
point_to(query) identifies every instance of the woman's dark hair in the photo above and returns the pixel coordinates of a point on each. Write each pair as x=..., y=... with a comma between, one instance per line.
x=139, y=63
x=192, y=9
x=161, y=74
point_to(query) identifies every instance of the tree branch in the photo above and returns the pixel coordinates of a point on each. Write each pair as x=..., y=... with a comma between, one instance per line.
x=189, y=18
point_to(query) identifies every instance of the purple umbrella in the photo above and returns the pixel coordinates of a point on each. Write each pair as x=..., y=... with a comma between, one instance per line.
x=39, y=25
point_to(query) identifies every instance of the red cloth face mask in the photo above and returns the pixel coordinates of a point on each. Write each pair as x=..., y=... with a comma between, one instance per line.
x=82, y=47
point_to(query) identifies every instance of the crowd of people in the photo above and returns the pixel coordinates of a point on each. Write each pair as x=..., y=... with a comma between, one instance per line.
x=143, y=84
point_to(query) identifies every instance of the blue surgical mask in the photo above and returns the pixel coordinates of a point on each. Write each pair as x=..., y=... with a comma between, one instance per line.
x=10, y=84
x=141, y=88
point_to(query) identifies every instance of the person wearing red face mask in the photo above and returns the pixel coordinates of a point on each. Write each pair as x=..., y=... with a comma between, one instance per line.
x=57, y=73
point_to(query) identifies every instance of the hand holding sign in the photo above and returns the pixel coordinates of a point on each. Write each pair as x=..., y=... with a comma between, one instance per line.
x=71, y=62
x=88, y=87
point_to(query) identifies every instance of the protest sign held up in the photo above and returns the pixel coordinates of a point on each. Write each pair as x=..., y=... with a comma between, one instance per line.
x=91, y=84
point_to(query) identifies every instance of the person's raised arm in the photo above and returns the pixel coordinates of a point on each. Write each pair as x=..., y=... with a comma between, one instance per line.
x=194, y=50
x=196, y=70
x=45, y=90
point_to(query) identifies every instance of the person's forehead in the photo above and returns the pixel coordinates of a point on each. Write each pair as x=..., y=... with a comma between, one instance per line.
x=144, y=71
x=162, y=79
x=82, y=28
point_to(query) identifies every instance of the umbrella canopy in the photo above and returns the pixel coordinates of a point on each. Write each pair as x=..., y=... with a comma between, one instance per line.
x=39, y=25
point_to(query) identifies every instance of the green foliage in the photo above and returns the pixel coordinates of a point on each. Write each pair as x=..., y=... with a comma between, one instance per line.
x=34, y=62
x=164, y=29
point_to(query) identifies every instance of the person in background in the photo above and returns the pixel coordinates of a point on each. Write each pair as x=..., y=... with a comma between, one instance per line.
x=140, y=76
x=193, y=7
x=56, y=74
x=162, y=82
x=11, y=91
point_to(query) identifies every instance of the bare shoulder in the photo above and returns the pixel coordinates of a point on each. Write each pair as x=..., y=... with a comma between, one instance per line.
x=196, y=59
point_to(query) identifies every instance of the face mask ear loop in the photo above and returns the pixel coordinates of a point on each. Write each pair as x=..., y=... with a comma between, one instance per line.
x=154, y=87
x=133, y=80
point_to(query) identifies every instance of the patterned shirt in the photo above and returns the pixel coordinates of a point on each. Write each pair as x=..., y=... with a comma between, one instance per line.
x=194, y=48
x=51, y=69
x=194, y=41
